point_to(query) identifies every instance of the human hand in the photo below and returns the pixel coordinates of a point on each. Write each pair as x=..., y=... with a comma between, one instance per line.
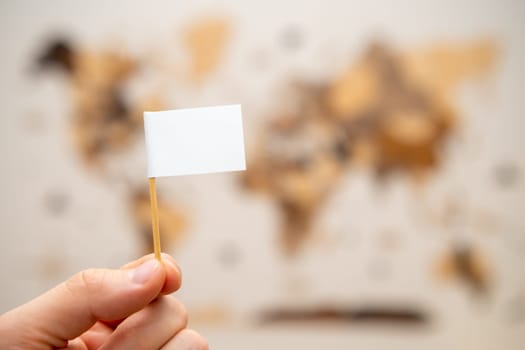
x=106, y=309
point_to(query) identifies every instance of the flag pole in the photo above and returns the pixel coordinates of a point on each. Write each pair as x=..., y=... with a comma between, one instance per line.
x=154, y=217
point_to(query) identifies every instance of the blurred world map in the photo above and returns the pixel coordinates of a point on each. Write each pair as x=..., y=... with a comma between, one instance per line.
x=385, y=169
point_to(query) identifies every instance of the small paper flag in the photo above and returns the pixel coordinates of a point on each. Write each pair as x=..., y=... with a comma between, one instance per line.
x=194, y=141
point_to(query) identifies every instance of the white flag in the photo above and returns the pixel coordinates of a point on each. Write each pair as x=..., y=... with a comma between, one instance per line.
x=194, y=141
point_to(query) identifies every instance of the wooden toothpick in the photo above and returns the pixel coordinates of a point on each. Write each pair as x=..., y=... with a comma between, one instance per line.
x=154, y=217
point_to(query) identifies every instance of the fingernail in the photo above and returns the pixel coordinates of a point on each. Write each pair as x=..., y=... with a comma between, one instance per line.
x=143, y=273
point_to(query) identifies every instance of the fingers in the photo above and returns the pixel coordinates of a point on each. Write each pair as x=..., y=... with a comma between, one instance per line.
x=76, y=344
x=96, y=336
x=173, y=272
x=151, y=327
x=186, y=340
x=74, y=306
x=92, y=339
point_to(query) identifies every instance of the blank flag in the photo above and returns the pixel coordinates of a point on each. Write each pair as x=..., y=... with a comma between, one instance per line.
x=194, y=141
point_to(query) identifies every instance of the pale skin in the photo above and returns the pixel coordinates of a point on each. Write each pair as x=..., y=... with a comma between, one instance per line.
x=127, y=308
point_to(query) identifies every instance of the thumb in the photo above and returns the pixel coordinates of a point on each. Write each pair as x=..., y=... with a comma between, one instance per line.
x=72, y=307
